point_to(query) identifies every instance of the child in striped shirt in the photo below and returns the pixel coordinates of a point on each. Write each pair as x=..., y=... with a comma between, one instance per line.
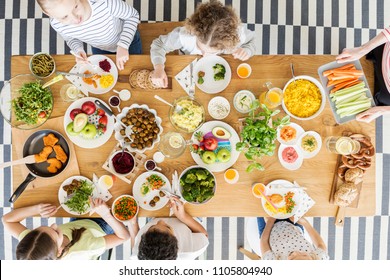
x=109, y=26
x=212, y=29
x=378, y=50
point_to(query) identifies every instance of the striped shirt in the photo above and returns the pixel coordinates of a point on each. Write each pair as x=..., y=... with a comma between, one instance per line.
x=386, y=59
x=112, y=23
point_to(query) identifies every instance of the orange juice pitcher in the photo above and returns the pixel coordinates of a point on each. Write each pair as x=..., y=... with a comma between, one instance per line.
x=271, y=98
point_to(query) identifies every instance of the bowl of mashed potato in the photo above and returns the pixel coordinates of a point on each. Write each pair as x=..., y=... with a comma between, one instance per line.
x=303, y=98
x=190, y=116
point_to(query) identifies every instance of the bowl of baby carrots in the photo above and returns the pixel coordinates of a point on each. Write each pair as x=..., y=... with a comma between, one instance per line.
x=124, y=208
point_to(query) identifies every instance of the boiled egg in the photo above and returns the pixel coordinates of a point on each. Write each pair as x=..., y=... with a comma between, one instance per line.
x=231, y=176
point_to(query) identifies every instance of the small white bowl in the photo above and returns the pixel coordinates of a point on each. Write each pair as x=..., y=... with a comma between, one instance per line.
x=319, y=144
x=294, y=165
x=247, y=66
x=323, y=97
x=219, y=107
x=112, y=166
x=237, y=98
x=299, y=130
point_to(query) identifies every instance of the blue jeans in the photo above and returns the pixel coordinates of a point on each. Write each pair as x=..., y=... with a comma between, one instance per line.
x=261, y=224
x=135, y=46
x=102, y=223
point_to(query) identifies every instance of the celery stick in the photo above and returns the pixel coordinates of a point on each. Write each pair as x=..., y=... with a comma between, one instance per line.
x=350, y=94
x=349, y=89
x=364, y=101
x=351, y=99
x=353, y=109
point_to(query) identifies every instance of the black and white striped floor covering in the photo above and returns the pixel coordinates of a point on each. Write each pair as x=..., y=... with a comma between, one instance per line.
x=282, y=27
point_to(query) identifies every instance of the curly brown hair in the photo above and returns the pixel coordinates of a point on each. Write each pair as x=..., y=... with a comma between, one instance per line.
x=215, y=25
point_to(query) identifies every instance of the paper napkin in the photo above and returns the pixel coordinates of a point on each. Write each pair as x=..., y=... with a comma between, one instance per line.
x=175, y=189
x=102, y=192
x=305, y=204
x=183, y=77
x=77, y=81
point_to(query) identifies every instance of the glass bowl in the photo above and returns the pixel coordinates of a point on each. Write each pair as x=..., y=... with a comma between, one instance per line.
x=190, y=117
x=30, y=115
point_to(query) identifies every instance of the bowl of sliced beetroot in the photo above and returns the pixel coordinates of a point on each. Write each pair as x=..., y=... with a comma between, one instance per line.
x=121, y=163
x=124, y=208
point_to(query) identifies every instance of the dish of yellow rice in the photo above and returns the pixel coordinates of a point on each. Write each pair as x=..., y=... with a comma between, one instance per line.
x=302, y=98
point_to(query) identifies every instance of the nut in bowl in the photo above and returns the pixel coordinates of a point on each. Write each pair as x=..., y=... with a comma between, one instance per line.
x=197, y=184
x=304, y=98
x=124, y=208
x=42, y=65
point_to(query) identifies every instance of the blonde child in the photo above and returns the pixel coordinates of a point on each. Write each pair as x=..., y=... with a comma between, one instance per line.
x=212, y=29
x=109, y=26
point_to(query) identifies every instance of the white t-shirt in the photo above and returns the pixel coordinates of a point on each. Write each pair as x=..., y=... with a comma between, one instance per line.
x=180, y=39
x=190, y=245
x=286, y=238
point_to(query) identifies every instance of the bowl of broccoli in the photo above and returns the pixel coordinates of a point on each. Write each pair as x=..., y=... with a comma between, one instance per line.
x=197, y=184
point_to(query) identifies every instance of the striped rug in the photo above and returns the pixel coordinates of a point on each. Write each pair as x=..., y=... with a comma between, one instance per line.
x=282, y=27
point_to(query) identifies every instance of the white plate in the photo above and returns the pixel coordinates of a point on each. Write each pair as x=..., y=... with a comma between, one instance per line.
x=282, y=191
x=306, y=154
x=234, y=139
x=118, y=127
x=218, y=101
x=98, y=140
x=144, y=200
x=206, y=64
x=291, y=166
x=237, y=97
x=299, y=130
x=62, y=194
x=95, y=59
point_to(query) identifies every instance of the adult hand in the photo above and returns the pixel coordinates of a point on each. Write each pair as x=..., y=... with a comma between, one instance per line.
x=159, y=77
x=241, y=54
x=100, y=207
x=371, y=114
x=178, y=208
x=46, y=210
x=122, y=56
x=348, y=55
x=81, y=57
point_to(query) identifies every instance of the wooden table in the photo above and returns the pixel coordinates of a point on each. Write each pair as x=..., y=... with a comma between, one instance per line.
x=230, y=200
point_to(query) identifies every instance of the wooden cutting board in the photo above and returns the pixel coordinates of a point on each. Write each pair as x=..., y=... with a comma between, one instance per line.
x=340, y=215
x=19, y=137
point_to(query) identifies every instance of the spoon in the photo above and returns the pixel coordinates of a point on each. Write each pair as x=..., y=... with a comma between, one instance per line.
x=123, y=149
x=292, y=71
x=178, y=108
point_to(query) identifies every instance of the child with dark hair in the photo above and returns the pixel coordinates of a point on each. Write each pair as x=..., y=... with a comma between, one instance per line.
x=80, y=239
x=212, y=29
x=181, y=238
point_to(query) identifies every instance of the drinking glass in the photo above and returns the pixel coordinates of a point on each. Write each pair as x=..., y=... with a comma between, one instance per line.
x=172, y=145
x=271, y=98
x=342, y=145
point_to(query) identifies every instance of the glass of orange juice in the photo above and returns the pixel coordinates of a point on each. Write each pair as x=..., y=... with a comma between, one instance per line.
x=244, y=70
x=271, y=98
x=231, y=176
x=257, y=189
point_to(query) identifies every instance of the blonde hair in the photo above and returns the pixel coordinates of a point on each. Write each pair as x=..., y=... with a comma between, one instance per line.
x=215, y=25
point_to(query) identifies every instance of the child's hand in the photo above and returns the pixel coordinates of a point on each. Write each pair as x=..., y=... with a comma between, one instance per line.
x=177, y=207
x=122, y=56
x=81, y=57
x=100, y=207
x=159, y=77
x=241, y=54
x=46, y=210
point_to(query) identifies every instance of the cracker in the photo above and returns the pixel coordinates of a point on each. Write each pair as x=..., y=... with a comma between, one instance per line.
x=133, y=79
x=141, y=78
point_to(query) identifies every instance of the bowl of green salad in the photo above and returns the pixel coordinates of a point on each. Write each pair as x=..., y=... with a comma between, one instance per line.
x=24, y=103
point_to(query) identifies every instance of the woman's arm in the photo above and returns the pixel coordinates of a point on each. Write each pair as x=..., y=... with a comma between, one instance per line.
x=12, y=220
x=133, y=227
x=264, y=239
x=184, y=217
x=348, y=55
x=314, y=235
x=121, y=234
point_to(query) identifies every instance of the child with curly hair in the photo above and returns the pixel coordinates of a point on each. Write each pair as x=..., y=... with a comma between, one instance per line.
x=212, y=29
x=108, y=26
